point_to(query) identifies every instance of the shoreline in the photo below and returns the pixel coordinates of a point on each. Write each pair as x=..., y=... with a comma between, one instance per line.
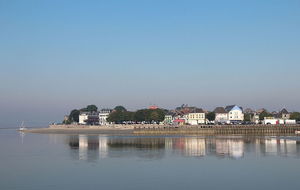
x=78, y=131
x=81, y=129
x=167, y=130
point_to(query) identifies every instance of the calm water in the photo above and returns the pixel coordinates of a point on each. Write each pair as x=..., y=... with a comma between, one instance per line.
x=34, y=161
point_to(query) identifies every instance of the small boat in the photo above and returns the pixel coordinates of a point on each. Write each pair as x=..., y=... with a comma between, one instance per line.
x=297, y=132
x=22, y=128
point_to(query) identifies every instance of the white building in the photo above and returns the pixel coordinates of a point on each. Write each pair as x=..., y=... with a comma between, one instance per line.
x=235, y=113
x=168, y=119
x=83, y=117
x=196, y=117
x=221, y=115
x=103, y=115
x=255, y=118
x=276, y=121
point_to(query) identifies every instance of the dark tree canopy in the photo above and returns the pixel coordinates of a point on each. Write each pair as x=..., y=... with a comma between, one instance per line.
x=248, y=116
x=211, y=116
x=157, y=115
x=148, y=115
x=140, y=115
x=74, y=116
x=120, y=108
x=92, y=108
x=120, y=115
x=296, y=116
x=89, y=108
x=264, y=114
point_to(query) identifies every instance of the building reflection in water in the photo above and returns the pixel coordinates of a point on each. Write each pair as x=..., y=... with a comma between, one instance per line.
x=230, y=147
x=92, y=148
x=282, y=147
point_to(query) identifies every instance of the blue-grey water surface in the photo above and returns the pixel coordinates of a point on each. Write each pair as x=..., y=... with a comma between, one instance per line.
x=42, y=161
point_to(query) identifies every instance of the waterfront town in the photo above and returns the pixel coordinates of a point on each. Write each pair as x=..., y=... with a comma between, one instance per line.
x=180, y=116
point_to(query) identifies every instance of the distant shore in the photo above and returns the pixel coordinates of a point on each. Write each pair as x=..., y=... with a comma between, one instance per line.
x=170, y=130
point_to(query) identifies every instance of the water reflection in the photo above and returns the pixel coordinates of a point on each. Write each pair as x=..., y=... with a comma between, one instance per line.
x=92, y=148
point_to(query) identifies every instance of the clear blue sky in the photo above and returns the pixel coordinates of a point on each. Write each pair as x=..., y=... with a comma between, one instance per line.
x=57, y=55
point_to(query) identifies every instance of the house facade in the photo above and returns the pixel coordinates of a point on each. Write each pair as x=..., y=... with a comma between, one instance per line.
x=235, y=113
x=221, y=115
x=88, y=118
x=284, y=114
x=94, y=118
x=255, y=118
x=83, y=117
x=168, y=119
x=196, y=117
x=103, y=115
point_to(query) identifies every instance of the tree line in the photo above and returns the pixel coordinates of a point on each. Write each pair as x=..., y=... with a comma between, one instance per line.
x=120, y=115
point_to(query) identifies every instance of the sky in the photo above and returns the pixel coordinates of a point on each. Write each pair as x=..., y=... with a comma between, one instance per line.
x=58, y=55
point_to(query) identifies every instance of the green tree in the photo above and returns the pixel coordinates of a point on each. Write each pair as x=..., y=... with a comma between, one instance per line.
x=211, y=116
x=264, y=114
x=120, y=108
x=128, y=116
x=248, y=116
x=148, y=115
x=92, y=108
x=140, y=115
x=120, y=115
x=115, y=116
x=157, y=115
x=296, y=116
x=74, y=116
x=67, y=122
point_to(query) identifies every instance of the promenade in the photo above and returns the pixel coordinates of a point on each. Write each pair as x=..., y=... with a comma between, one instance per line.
x=219, y=130
x=171, y=129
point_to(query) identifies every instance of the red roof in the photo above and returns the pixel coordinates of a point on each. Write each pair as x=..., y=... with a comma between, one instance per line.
x=179, y=120
x=153, y=107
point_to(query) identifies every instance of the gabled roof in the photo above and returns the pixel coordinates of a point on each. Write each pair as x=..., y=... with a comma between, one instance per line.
x=171, y=113
x=248, y=110
x=261, y=110
x=233, y=107
x=284, y=111
x=197, y=110
x=220, y=110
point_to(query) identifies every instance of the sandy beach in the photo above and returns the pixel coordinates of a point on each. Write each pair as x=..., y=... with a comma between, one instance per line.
x=79, y=129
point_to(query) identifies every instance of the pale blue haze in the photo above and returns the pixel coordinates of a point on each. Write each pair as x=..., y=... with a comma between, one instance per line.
x=59, y=55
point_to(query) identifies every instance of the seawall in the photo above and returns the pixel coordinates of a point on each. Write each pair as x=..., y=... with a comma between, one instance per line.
x=172, y=130
x=219, y=130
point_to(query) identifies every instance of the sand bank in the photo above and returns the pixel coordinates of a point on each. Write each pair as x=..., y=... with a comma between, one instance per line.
x=79, y=129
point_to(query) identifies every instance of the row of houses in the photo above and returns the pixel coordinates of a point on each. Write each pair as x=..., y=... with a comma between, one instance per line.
x=196, y=116
x=232, y=114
